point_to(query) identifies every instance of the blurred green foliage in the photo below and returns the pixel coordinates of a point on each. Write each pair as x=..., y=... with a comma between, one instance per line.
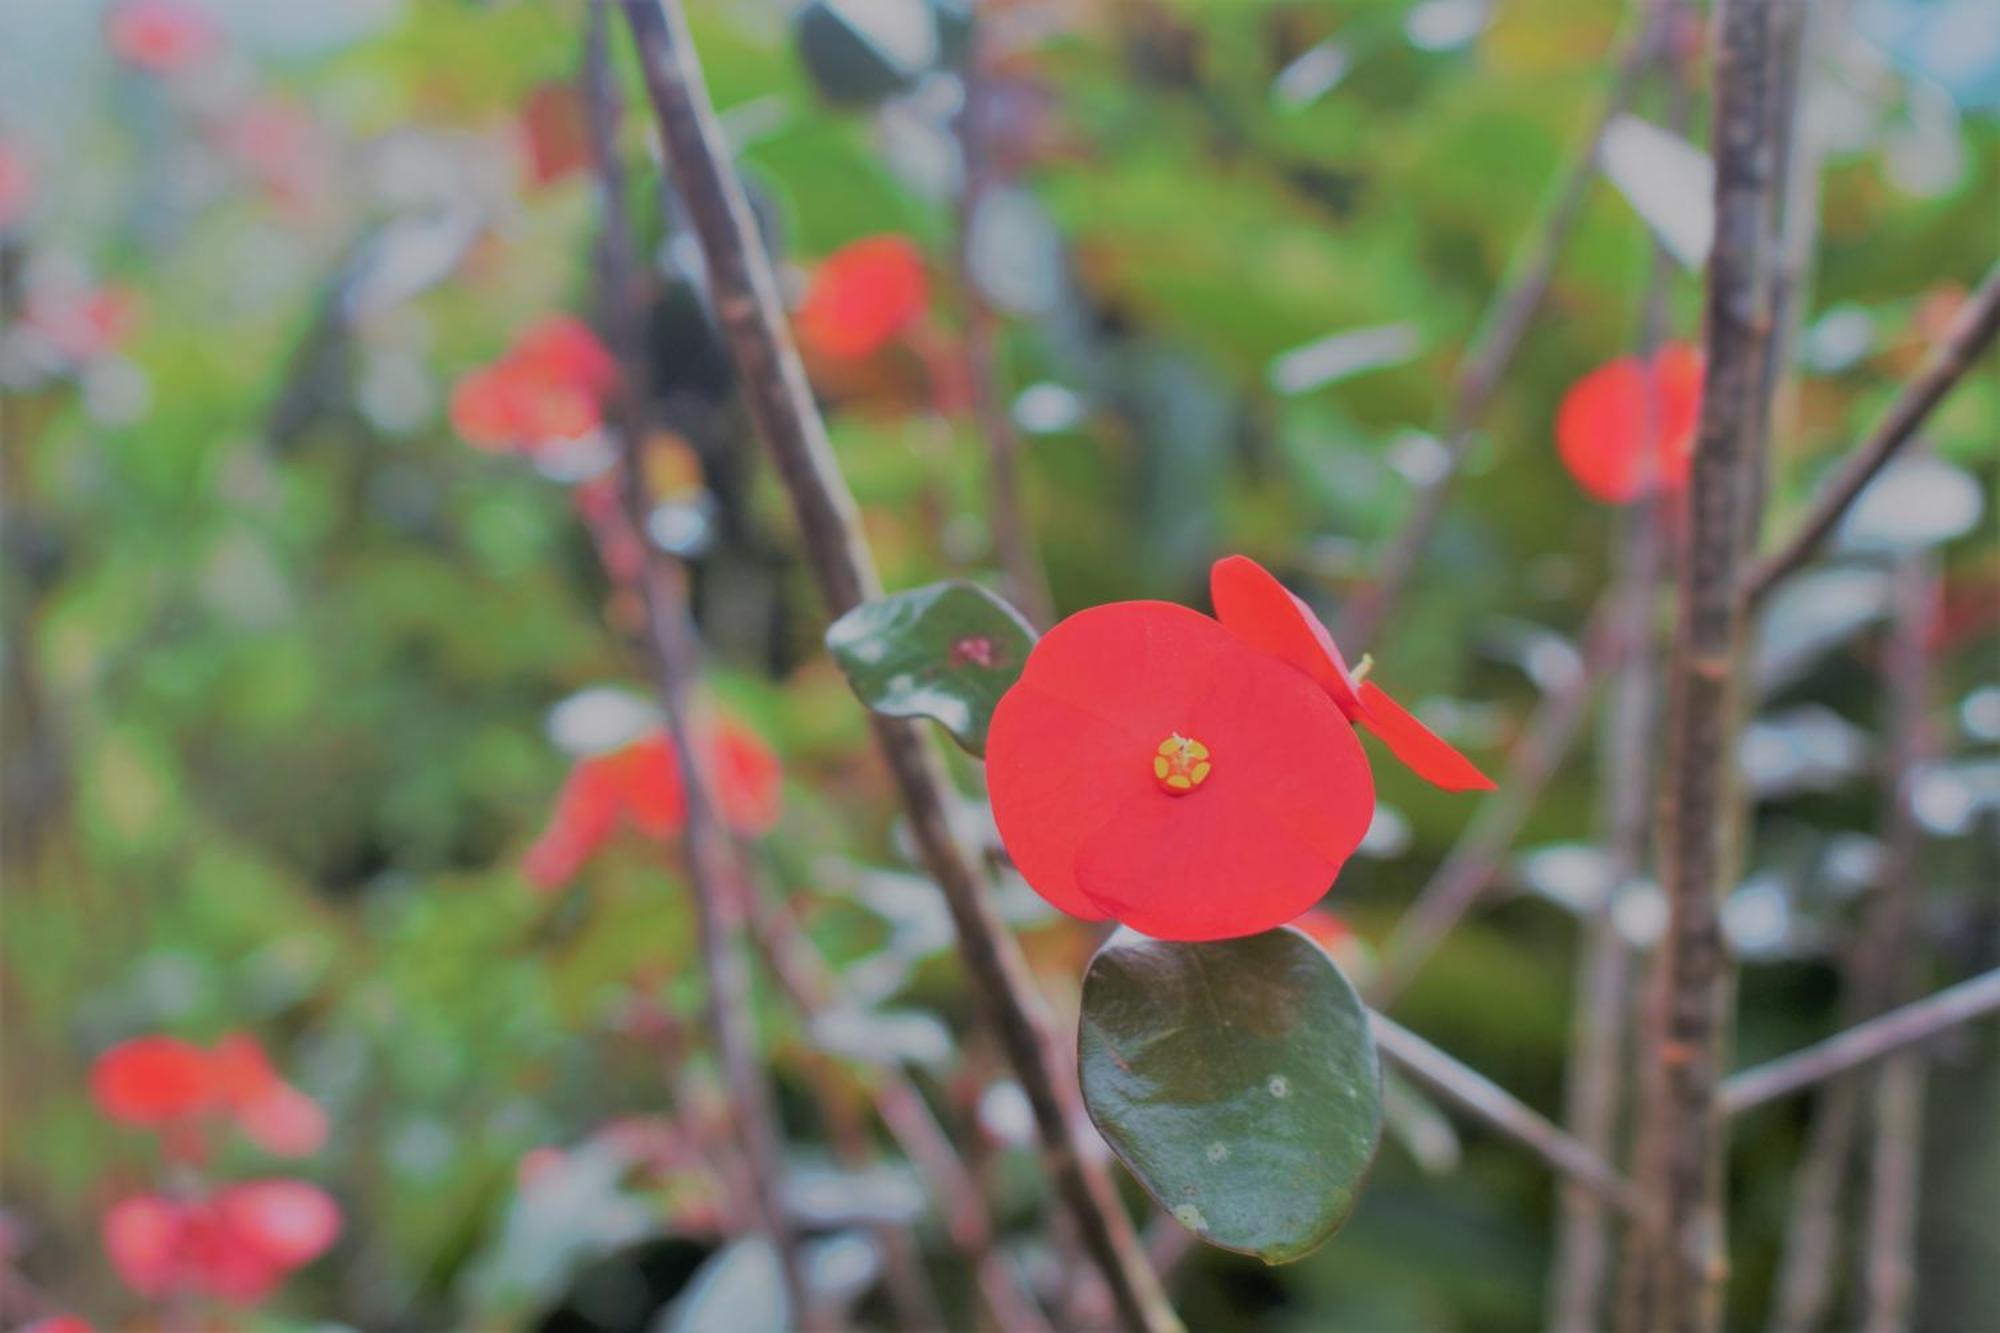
x=279, y=650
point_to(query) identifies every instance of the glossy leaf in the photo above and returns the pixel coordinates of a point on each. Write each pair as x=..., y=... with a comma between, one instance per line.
x=946, y=651
x=1238, y=1080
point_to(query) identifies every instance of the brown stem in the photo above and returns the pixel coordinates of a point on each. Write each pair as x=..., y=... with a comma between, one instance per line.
x=1949, y=360
x=1493, y=346
x=1489, y=1102
x=1910, y=1025
x=1896, y=1152
x=1481, y=851
x=781, y=407
x=1680, y=1132
x=1013, y=539
x=675, y=662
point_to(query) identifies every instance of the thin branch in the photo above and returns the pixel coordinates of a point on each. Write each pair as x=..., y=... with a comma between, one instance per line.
x=781, y=407
x=1481, y=851
x=1864, y=1042
x=675, y=661
x=1501, y=1110
x=1680, y=1156
x=1896, y=1154
x=1960, y=349
x=1493, y=346
x=815, y=988
x=1594, y=1093
x=1013, y=537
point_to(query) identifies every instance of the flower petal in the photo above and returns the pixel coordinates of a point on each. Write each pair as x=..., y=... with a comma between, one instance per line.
x=1256, y=608
x=1426, y=754
x=1287, y=801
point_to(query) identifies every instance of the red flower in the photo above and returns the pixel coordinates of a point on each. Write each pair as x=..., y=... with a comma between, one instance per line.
x=1263, y=614
x=62, y=1323
x=640, y=785
x=152, y=1081
x=1628, y=426
x=546, y=389
x=1150, y=767
x=163, y=36
x=163, y=1082
x=237, y=1245
x=861, y=297
x=272, y=1114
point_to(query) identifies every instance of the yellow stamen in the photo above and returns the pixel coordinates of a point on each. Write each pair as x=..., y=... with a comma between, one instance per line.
x=1360, y=672
x=1181, y=764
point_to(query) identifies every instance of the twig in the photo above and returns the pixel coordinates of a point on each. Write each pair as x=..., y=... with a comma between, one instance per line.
x=1680, y=1157
x=1862, y=1043
x=1481, y=851
x=1500, y=1109
x=1950, y=359
x=1896, y=1155
x=675, y=662
x=781, y=407
x=1601, y=1008
x=1013, y=539
x=815, y=988
x=1485, y=361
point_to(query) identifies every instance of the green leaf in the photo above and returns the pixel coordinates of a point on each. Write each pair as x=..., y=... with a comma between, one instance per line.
x=1238, y=1080
x=946, y=651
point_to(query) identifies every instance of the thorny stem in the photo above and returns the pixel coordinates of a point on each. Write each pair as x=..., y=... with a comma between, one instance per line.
x=675, y=661
x=781, y=407
x=1895, y=1031
x=1013, y=537
x=1485, y=362
x=1960, y=349
x=1489, y=1102
x=1680, y=1131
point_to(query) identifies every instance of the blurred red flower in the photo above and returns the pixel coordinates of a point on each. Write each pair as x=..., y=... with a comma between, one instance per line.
x=163, y=36
x=545, y=390
x=152, y=1081
x=62, y=1323
x=237, y=1245
x=640, y=785
x=1260, y=611
x=555, y=131
x=1629, y=425
x=82, y=323
x=1151, y=767
x=162, y=1082
x=861, y=296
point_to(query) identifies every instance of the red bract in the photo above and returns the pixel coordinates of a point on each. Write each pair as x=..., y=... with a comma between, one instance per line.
x=1628, y=426
x=1150, y=767
x=640, y=785
x=1261, y=612
x=545, y=390
x=152, y=1081
x=163, y=36
x=861, y=297
x=162, y=1082
x=237, y=1245
x=272, y=1114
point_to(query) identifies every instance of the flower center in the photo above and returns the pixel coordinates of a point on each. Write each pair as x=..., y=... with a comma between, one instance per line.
x=1181, y=764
